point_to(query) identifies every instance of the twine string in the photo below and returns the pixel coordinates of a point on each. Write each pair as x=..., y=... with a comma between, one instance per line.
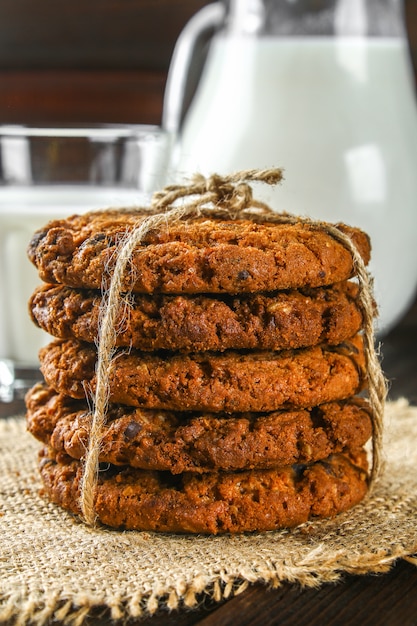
x=377, y=384
x=229, y=197
x=105, y=354
x=233, y=192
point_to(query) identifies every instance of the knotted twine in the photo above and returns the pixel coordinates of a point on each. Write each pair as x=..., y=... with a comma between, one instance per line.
x=228, y=197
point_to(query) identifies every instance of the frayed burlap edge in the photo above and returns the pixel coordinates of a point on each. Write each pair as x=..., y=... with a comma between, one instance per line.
x=54, y=567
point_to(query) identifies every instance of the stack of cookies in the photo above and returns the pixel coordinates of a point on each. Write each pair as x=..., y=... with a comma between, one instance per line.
x=234, y=392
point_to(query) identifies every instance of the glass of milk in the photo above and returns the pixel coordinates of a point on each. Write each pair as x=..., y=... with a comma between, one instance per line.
x=49, y=173
x=325, y=91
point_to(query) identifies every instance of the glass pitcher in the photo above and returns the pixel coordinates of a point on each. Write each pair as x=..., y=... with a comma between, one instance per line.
x=323, y=89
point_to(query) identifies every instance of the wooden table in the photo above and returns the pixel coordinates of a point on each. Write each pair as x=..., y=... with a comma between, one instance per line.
x=383, y=600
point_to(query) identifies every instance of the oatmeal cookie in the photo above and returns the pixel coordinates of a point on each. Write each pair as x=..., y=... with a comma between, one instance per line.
x=177, y=442
x=199, y=255
x=219, y=502
x=229, y=381
x=277, y=321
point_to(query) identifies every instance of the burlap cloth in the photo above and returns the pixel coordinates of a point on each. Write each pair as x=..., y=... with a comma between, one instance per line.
x=54, y=566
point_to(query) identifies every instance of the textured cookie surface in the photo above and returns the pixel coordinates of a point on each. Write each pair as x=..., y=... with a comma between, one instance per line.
x=191, y=323
x=228, y=381
x=200, y=255
x=211, y=503
x=162, y=440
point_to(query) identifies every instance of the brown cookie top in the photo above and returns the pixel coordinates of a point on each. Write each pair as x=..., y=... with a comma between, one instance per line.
x=199, y=255
x=277, y=321
x=219, y=502
x=229, y=381
x=163, y=440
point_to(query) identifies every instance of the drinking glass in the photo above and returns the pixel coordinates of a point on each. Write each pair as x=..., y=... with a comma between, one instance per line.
x=48, y=173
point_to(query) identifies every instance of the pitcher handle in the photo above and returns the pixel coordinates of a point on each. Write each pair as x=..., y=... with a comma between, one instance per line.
x=208, y=18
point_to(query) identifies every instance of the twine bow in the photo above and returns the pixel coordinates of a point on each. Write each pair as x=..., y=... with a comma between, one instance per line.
x=232, y=193
x=229, y=197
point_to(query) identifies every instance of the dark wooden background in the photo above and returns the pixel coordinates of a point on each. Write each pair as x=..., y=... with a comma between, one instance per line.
x=96, y=60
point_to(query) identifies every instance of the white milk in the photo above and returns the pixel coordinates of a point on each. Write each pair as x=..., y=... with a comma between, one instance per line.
x=22, y=211
x=339, y=116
